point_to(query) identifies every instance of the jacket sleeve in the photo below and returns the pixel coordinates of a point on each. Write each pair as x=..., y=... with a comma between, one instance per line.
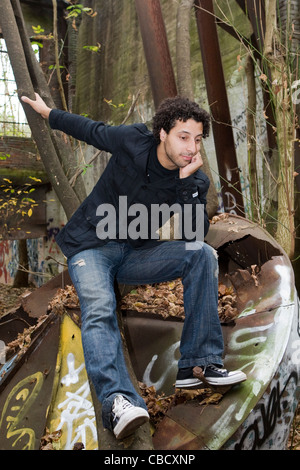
x=192, y=191
x=96, y=133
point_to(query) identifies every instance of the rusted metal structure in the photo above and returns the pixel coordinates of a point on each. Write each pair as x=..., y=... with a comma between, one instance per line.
x=219, y=106
x=47, y=385
x=156, y=49
x=163, y=85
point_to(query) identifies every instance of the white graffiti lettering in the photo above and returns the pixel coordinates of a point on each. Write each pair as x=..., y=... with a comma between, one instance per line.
x=77, y=410
x=296, y=94
x=169, y=358
x=73, y=376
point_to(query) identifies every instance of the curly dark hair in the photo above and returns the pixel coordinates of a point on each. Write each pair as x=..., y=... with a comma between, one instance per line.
x=178, y=109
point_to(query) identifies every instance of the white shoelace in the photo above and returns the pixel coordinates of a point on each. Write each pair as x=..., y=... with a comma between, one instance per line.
x=213, y=367
x=120, y=405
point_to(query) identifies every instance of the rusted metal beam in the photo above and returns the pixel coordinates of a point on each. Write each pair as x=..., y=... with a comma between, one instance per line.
x=219, y=106
x=156, y=49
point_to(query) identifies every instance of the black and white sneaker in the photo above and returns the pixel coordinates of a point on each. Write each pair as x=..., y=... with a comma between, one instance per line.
x=126, y=418
x=186, y=379
x=212, y=375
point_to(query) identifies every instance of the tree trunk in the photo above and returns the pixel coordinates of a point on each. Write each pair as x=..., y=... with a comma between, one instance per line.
x=39, y=128
x=277, y=60
x=183, y=56
x=61, y=142
x=285, y=233
x=251, y=139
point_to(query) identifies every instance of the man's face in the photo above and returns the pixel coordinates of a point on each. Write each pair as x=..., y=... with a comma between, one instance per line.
x=177, y=148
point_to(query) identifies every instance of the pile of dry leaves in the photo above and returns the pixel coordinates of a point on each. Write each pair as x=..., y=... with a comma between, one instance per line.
x=227, y=304
x=166, y=299
x=20, y=345
x=64, y=298
x=159, y=405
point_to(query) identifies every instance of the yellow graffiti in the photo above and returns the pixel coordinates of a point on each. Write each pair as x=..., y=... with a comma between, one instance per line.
x=17, y=404
x=72, y=409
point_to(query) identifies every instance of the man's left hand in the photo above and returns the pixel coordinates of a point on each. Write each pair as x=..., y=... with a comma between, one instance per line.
x=193, y=166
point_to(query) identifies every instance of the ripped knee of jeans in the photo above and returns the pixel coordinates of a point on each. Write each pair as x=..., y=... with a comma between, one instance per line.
x=80, y=262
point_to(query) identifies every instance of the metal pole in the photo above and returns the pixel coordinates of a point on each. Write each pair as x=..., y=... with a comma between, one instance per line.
x=156, y=49
x=218, y=102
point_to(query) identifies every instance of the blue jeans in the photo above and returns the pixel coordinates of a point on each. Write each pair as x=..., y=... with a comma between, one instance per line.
x=94, y=272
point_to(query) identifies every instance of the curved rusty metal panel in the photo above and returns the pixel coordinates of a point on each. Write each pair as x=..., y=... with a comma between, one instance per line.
x=26, y=391
x=264, y=341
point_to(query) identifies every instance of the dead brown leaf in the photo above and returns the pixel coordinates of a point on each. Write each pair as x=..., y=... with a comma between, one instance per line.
x=23, y=340
x=159, y=405
x=219, y=218
x=254, y=273
x=64, y=299
x=49, y=439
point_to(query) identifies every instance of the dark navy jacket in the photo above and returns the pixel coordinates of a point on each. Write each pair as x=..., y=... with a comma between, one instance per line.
x=125, y=175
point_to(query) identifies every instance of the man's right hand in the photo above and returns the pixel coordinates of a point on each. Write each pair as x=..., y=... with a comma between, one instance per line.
x=38, y=105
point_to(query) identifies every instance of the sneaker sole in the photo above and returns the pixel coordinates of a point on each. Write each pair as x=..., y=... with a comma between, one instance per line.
x=188, y=383
x=231, y=379
x=130, y=422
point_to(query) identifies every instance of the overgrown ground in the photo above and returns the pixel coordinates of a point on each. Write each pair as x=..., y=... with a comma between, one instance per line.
x=10, y=298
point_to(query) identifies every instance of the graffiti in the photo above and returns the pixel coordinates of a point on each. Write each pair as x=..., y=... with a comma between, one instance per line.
x=254, y=339
x=37, y=250
x=169, y=358
x=240, y=128
x=296, y=93
x=51, y=234
x=4, y=251
x=73, y=375
x=230, y=203
x=9, y=259
x=18, y=403
x=77, y=412
x=269, y=414
x=34, y=248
